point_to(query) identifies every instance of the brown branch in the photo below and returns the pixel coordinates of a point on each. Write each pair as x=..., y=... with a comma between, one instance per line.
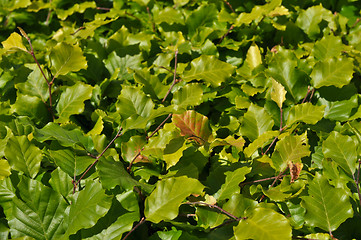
x=260, y=180
x=217, y=207
x=31, y=52
x=49, y=14
x=103, y=8
x=308, y=92
x=229, y=5
x=97, y=158
x=174, y=75
x=135, y=227
x=225, y=35
x=151, y=19
x=276, y=179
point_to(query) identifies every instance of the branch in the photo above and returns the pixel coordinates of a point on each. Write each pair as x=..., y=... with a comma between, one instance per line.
x=151, y=19
x=174, y=75
x=97, y=158
x=229, y=5
x=357, y=181
x=215, y=206
x=135, y=227
x=276, y=179
x=260, y=180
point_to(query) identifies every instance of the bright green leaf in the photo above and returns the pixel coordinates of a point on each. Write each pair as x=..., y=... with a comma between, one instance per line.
x=14, y=43
x=72, y=101
x=190, y=95
x=231, y=186
x=164, y=201
x=305, y=112
x=278, y=93
x=266, y=137
x=4, y=169
x=255, y=122
x=332, y=72
x=66, y=58
x=174, y=151
x=254, y=58
x=328, y=47
x=210, y=69
x=23, y=156
x=341, y=149
x=263, y=224
x=326, y=206
x=61, y=182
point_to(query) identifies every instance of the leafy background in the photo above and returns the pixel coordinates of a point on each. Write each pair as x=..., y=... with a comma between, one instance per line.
x=180, y=119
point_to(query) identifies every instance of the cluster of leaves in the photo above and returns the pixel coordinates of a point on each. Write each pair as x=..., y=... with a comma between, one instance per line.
x=180, y=119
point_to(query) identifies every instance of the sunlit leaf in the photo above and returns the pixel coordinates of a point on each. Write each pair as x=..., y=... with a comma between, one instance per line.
x=305, y=112
x=210, y=69
x=341, y=149
x=278, y=93
x=260, y=142
x=164, y=201
x=14, y=43
x=339, y=110
x=332, y=72
x=189, y=95
x=4, y=169
x=292, y=149
x=269, y=224
x=254, y=58
x=88, y=206
x=23, y=156
x=168, y=15
x=326, y=206
x=231, y=186
x=66, y=58
x=151, y=84
x=80, y=8
x=328, y=47
x=193, y=124
x=255, y=122
x=61, y=182
x=72, y=101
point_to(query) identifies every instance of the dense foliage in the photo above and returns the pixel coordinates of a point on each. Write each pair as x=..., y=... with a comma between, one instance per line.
x=180, y=119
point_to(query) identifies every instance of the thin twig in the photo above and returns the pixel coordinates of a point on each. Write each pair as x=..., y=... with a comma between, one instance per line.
x=103, y=8
x=135, y=227
x=276, y=179
x=151, y=19
x=308, y=92
x=260, y=180
x=135, y=157
x=312, y=92
x=99, y=156
x=31, y=52
x=174, y=75
x=217, y=207
x=225, y=35
x=281, y=118
x=269, y=147
x=229, y=5
x=160, y=125
x=49, y=14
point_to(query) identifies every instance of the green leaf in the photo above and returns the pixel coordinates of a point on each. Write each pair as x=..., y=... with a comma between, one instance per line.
x=4, y=141
x=292, y=149
x=305, y=112
x=231, y=186
x=326, y=206
x=168, y=15
x=151, y=84
x=283, y=68
x=210, y=69
x=61, y=182
x=278, y=93
x=263, y=224
x=23, y=156
x=4, y=169
x=35, y=84
x=190, y=95
x=76, y=8
x=193, y=125
x=14, y=43
x=328, y=47
x=88, y=206
x=132, y=147
x=32, y=107
x=120, y=65
x=72, y=101
x=339, y=110
x=131, y=102
x=341, y=149
x=38, y=212
x=255, y=122
x=204, y=16
x=112, y=173
x=332, y=72
x=164, y=201
x=66, y=138
x=173, y=151
x=265, y=138
x=253, y=58
x=66, y=58
x=69, y=162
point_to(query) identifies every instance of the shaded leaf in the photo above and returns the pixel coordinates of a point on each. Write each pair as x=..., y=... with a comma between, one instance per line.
x=66, y=138
x=341, y=149
x=72, y=101
x=23, y=156
x=255, y=122
x=326, y=206
x=270, y=225
x=38, y=212
x=210, y=69
x=61, y=182
x=305, y=112
x=164, y=201
x=66, y=58
x=151, y=84
x=193, y=124
x=332, y=72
